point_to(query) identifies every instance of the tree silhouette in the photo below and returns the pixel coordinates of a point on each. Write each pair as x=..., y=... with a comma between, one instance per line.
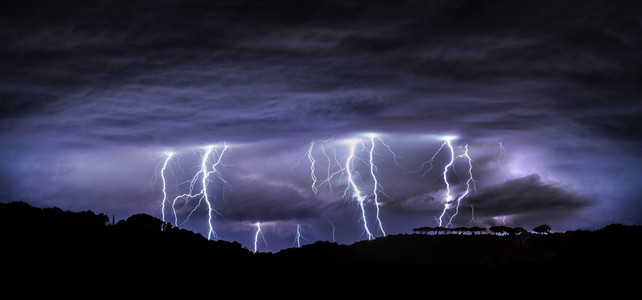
x=542, y=229
x=142, y=222
x=423, y=230
x=437, y=230
x=499, y=229
x=518, y=231
x=440, y=229
x=459, y=230
x=476, y=229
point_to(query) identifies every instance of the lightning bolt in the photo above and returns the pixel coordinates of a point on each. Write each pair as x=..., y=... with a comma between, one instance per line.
x=352, y=184
x=211, y=232
x=329, y=169
x=168, y=157
x=449, y=198
x=204, y=174
x=312, y=162
x=468, y=183
x=502, y=152
x=334, y=229
x=430, y=161
x=258, y=234
x=298, y=237
x=348, y=170
x=205, y=197
x=376, y=182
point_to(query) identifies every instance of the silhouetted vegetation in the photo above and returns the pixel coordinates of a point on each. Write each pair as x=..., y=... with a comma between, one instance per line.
x=87, y=246
x=542, y=229
x=496, y=230
x=51, y=240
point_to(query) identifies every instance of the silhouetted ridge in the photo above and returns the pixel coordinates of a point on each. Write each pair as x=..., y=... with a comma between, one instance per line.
x=48, y=240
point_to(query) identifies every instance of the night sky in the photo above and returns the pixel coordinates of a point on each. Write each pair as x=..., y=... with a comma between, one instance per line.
x=546, y=94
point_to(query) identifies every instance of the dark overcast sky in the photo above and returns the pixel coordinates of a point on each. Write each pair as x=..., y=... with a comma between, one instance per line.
x=93, y=93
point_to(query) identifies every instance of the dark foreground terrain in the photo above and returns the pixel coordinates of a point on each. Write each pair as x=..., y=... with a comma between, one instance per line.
x=83, y=249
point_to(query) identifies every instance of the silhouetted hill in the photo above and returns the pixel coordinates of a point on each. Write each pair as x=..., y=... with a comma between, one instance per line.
x=88, y=246
x=587, y=256
x=56, y=245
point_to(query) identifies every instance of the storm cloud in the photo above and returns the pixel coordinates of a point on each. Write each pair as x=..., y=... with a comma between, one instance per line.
x=526, y=195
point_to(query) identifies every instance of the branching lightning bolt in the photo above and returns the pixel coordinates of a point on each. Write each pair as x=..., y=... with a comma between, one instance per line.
x=312, y=175
x=429, y=162
x=204, y=173
x=330, y=174
x=168, y=157
x=449, y=198
x=470, y=181
x=258, y=234
x=298, y=237
x=334, y=229
x=211, y=232
x=349, y=170
x=376, y=183
x=502, y=152
x=356, y=192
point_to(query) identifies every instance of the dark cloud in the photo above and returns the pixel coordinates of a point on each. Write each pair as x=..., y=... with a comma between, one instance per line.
x=186, y=66
x=526, y=195
x=257, y=200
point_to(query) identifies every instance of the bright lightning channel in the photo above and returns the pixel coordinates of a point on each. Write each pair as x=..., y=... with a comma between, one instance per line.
x=470, y=181
x=211, y=232
x=502, y=152
x=356, y=192
x=348, y=168
x=316, y=183
x=168, y=157
x=376, y=183
x=204, y=174
x=449, y=198
x=334, y=229
x=430, y=162
x=312, y=175
x=258, y=234
x=298, y=237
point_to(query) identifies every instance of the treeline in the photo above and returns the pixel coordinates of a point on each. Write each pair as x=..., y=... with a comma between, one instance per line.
x=86, y=235
x=52, y=244
x=497, y=230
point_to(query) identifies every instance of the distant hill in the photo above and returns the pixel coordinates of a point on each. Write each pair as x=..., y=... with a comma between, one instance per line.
x=87, y=247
